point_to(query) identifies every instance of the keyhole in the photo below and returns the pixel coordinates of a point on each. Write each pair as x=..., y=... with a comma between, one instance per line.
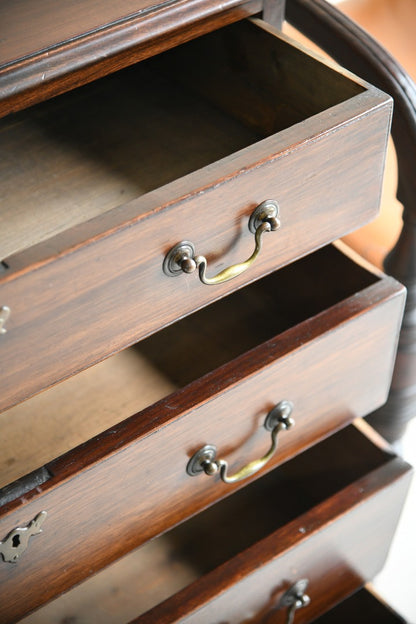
x=16, y=541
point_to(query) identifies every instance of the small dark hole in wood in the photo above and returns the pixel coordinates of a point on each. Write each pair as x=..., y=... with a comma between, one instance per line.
x=16, y=541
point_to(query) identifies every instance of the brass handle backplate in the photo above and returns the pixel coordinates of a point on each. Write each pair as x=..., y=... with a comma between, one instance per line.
x=182, y=259
x=295, y=598
x=204, y=460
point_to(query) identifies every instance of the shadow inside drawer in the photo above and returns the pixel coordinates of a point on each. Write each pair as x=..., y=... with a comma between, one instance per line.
x=95, y=148
x=218, y=333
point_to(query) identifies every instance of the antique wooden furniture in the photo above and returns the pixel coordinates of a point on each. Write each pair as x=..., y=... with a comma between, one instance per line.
x=142, y=382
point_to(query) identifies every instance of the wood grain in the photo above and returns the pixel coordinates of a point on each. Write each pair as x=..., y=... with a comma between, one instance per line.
x=192, y=551
x=118, y=484
x=75, y=298
x=265, y=81
x=70, y=20
x=274, y=12
x=71, y=47
x=46, y=426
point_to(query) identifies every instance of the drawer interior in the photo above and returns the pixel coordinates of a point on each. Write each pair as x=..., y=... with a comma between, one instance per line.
x=83, y=153
x=59, y=419
x=362, y=607
x=163, y=566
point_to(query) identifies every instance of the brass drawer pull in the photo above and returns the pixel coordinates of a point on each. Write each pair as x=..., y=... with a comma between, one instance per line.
x=182, y=259
x=295, y=598
x=204, y=460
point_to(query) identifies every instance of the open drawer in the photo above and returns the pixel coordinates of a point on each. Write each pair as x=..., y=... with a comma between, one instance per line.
x=327, y=517
x=99, y=184
x=326, y=346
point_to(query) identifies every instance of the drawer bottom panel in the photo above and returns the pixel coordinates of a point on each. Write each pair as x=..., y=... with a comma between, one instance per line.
x=327, y=516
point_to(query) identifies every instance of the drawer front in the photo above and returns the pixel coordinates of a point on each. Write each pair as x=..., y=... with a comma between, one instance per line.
x=100, y=286
x=132, y=480
x=336, y=547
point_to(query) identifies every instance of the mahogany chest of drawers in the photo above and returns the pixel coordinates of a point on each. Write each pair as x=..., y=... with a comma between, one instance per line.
x=183, y=350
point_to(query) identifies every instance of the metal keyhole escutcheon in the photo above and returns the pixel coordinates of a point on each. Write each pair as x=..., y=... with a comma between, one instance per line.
x=16, y=542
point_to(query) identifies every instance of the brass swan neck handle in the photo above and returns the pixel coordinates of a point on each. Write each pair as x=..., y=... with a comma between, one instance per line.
x=204, y=460
x=182, y=259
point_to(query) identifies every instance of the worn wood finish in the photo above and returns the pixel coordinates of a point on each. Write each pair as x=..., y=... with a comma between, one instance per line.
x=355, y=49
x=74, y=298
x=95, y=40
x=131, y=480
x=239, y=526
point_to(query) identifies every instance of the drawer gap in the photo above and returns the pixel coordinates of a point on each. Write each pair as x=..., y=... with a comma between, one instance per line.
x=163, y=566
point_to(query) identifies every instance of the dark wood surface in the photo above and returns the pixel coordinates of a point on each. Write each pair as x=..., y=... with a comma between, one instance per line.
x=71, y=170
x=268, y=524
x=53, y=24
x=336, y=545
x=67, y=46
x=358, y=51
x=107, y=393
x=79, y=297
x=74, y=298
x=131, y=479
